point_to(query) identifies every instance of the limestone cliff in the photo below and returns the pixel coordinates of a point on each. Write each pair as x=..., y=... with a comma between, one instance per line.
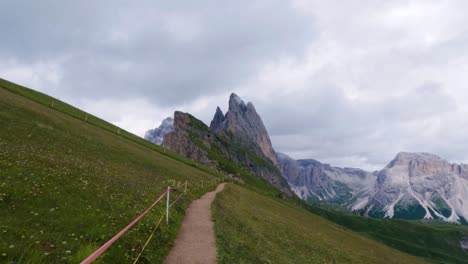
x=243, y=121
x=234, y=143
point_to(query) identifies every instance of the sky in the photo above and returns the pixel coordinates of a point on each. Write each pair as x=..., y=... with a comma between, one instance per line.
x=350, y=83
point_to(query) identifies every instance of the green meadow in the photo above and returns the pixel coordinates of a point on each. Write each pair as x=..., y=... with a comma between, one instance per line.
x=67, y=185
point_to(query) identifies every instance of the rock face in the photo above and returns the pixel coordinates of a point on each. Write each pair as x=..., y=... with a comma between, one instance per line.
x=234, y=143
x=420, y=185
x=179, y=140
x=412, y=186
x=312, y=180
x=244, y=123
x=157, y=135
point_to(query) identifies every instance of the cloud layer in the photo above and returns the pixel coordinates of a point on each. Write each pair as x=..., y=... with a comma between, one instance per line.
x=349, y=83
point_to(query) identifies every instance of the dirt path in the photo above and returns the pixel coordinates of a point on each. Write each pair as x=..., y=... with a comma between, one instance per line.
x=195, y=243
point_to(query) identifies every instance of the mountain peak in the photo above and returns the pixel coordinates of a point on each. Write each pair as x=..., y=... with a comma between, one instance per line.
x=243, y=121
x=157, y=135
x=417, y=156
x=219, y=120
x=235, y=99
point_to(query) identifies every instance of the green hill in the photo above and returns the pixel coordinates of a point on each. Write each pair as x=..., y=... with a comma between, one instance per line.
x=252, y=228
x=68, y=185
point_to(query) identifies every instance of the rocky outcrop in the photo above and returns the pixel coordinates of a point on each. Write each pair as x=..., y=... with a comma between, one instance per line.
x=157, y=135
x=313, y=180
x=421, y=185
x=411, y=186
x=219, y=121
x=243, y=122
x=233, y=150
x=180, y=141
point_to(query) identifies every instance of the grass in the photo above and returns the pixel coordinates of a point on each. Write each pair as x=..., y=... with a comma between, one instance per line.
x=439, y=242
x=74, y=112
x=252, y=228
x=68, y=184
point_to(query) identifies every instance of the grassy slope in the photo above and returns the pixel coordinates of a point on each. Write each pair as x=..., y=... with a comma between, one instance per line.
x=439, y=242
x=252, y=228
x=67, y=186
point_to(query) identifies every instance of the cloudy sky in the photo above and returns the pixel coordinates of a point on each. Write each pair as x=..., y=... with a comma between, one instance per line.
x=350, y=83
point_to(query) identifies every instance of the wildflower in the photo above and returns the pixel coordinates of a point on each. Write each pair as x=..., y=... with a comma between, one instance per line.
x=12, y=246
x=64, y=242
x=68, y=251
x=3, y=254
x=37, y=242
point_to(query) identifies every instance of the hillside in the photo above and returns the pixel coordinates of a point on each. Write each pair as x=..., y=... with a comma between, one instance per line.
x=70, y=181
x=252, y=228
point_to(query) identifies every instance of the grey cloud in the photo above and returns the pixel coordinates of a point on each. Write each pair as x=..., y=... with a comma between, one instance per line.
x=147, y=48
x=351, y=83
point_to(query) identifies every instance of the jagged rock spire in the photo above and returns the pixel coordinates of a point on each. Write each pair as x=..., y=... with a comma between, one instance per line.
x=219, y=121
x=243, y=121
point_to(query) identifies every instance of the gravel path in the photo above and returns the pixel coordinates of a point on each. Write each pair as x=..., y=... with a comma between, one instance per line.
x=195, y=243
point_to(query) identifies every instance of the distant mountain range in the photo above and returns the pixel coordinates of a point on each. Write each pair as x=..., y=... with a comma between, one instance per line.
x=411, y=186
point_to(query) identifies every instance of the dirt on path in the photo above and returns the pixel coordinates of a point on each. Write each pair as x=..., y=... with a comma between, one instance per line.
x=195, y=243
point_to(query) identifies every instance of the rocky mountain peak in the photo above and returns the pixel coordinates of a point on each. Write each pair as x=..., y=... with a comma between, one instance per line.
x=219, y=121
x=243, y=121
x=417, y=156
x=157, y=135
x=412, y=186
x=417, y=163
x=235, y=100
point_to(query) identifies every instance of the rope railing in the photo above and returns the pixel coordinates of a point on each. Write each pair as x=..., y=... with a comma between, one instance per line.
x=154, y=230
x=166, y=193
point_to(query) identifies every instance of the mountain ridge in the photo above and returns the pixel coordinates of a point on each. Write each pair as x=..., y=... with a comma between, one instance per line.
x=414, y=185
x=243, y=121
x=236, y=139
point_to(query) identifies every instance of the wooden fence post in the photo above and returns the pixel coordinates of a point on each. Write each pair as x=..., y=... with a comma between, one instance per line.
x=167, y=204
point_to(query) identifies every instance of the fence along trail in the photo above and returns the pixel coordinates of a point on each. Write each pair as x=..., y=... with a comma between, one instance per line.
x=104, y=247
x=195, y=242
